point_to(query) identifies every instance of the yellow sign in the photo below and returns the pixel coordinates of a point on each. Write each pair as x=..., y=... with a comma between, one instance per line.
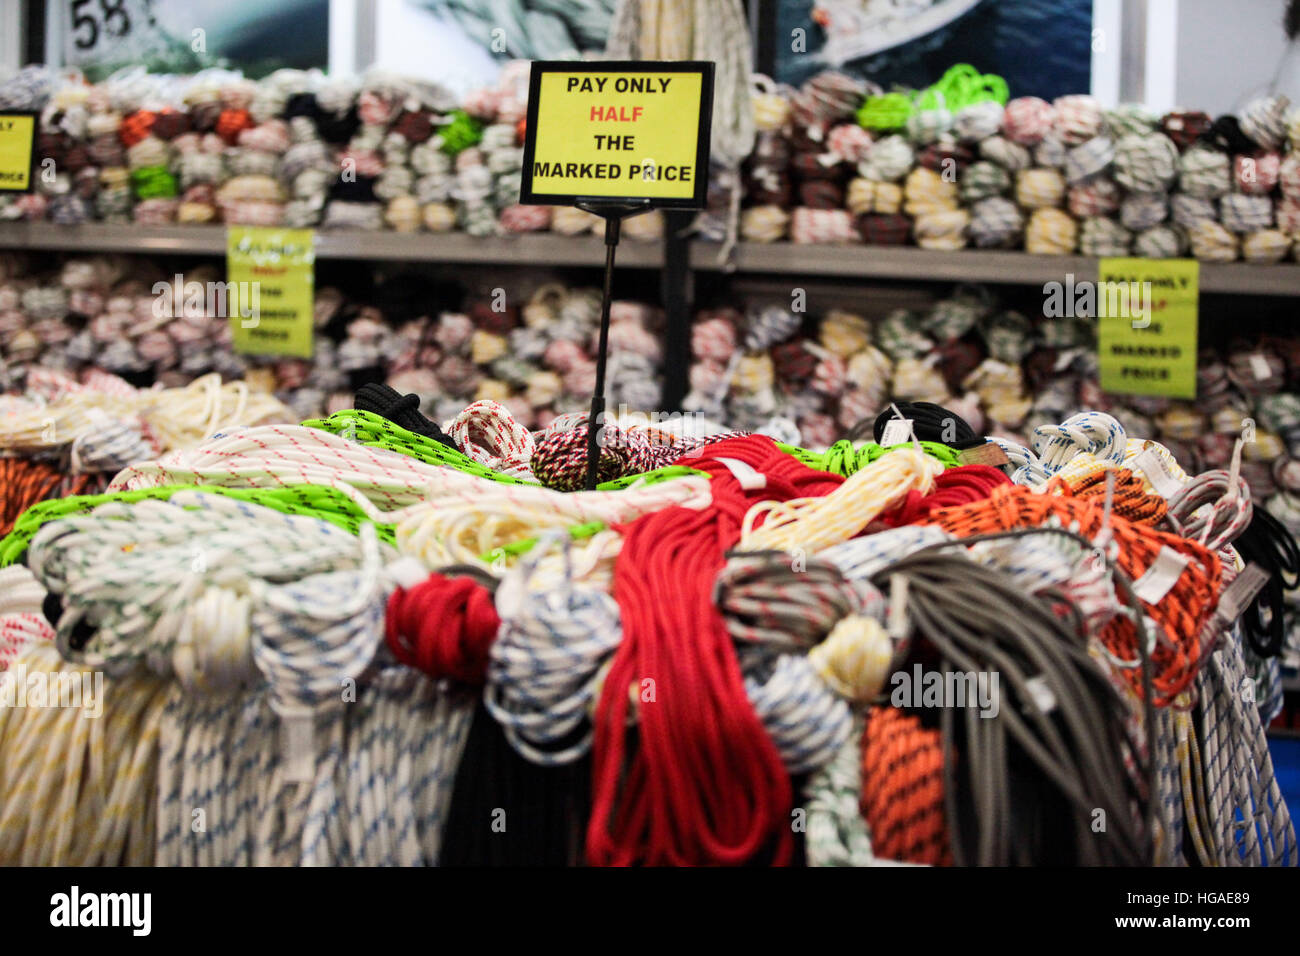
x=17, y=143
x=1147, y=312
x=271, y=289
x=618, y=132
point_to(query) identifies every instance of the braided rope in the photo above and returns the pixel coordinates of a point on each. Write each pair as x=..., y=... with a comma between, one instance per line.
x=77, y=787
x=816, y=523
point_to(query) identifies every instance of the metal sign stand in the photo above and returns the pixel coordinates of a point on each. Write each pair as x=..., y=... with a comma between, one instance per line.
x=613, y=214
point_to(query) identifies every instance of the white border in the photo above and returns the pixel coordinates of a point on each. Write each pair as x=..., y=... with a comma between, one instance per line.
x=1161, y=68
x=1107, y=21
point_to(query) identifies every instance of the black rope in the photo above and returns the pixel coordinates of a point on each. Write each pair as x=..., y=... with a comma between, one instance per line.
x=1021, y=786
x=404, y=410
x=930, y=422
x=1268, y=543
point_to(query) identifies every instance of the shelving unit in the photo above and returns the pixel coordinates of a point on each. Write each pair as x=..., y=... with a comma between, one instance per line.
x=677, y=259
x=539, y=249
x=902, y=263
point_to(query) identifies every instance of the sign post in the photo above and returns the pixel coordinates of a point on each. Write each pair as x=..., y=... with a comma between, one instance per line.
x=616, y=139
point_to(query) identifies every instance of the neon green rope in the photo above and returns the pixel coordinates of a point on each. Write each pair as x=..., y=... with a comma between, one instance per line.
x=367, y=428
x=317, y=501
x=843, y=458
x=961, y=86
x=889, y=111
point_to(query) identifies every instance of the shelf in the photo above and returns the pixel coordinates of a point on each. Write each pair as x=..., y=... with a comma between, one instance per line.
x=900, y=263
x=969, y=265
x=537, y=249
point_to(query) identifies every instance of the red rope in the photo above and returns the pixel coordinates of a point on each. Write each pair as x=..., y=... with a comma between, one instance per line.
x=444, y=627
x=956, y=486
x=705, y=784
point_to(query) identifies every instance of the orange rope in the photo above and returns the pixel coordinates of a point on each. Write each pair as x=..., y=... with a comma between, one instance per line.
x=1180, y=615
x=902, y=789
x=24, y=482
x=1129, y=499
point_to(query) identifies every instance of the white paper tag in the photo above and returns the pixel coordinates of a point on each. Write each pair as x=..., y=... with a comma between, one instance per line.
x=1259, y=366
x=897, y=431
x=750, y=479
x=1242, y=591
x=896, y=624
x=1161, y=576
x=1063, y=360
x=297, y=747
x=1162, y=479
x=1041, y=694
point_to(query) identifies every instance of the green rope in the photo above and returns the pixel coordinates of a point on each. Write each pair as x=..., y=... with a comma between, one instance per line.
x=367, y=428
x=461, y=133
x=885, y=112
x=577, y=532
x=153, y=182
x=961, y=86
x=666, y=473
x=370, y=429
x=316, y=501
x=843, y=458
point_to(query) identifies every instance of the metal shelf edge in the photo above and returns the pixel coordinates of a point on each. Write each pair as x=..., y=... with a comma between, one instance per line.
x=545, y=249
x=905, y=263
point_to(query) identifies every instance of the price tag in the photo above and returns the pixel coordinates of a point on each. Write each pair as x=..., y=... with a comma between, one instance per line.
x=1237, y=596
x=17, y=151
x=989, y=453
x=1162, y=479
x=297, y=745
x=750, y=479
x=1161, y=576
x=1037, y=690
x=896, y=622
x=635, y=132
x=897, y=431
x=1259, y=367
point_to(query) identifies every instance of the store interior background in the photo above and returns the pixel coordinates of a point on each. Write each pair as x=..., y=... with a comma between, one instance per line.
x=1204, y=54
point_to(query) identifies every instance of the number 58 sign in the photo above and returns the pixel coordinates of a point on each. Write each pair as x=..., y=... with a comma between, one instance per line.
x=95, y=24
x=92, y=28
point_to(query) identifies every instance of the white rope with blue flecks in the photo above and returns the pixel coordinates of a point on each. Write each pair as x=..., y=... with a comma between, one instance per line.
x=542, y=680
x=1246, y=811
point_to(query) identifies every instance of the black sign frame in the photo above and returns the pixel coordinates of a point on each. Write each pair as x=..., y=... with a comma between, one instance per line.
x=529, y=197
